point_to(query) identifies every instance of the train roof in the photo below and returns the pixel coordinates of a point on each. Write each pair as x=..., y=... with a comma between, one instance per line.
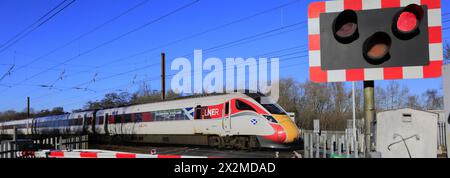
x=80, y=114
x=177, y=103
x=53, y=117
x=16, y=121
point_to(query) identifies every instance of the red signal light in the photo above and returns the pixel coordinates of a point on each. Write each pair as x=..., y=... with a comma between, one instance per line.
x=376, y=48
x=406, y=22
x=345, y=27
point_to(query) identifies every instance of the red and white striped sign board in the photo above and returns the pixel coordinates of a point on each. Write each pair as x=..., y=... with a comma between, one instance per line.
x=433, y=70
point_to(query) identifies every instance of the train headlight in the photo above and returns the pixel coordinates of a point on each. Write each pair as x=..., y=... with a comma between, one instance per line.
x=270, y=119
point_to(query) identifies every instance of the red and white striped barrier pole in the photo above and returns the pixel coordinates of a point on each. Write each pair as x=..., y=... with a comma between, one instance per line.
x=107, y=154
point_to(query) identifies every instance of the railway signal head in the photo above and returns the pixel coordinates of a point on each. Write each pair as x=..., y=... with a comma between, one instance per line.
x=362, y=40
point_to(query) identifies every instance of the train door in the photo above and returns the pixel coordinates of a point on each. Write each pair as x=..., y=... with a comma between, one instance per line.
x=106, y=123
x=226, y=119
x=197, y=118
x=93, y=121
x=85, y=123
x=32, y=126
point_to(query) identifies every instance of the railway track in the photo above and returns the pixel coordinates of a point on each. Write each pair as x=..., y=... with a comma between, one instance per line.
x=196, y=151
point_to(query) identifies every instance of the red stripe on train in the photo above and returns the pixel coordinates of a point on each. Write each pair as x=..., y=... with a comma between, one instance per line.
x=278, y=136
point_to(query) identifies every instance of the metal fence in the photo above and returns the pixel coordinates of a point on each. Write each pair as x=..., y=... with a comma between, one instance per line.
x=332, y=144
x=26, y=148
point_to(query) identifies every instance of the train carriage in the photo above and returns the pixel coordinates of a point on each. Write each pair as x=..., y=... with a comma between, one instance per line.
x=81, y=122
x=236, y=120
x=23, y=127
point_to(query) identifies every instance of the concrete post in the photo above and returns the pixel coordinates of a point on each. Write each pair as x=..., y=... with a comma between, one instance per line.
x=369, y=112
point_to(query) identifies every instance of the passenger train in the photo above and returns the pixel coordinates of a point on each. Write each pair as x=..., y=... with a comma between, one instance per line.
x=238, y=120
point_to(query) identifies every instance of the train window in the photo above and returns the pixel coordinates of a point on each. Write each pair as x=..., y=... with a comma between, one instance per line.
x=138, y=117
x=243, y=106
x=127, y=118
x=110, y=119
x=227, y=108
x=100, y=120
x=274, y=109
x=89, y=121
x=117, y=118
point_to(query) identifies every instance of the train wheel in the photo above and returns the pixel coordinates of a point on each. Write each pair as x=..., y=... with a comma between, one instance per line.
x=254, y=144
x=243, y=143
x=214, y=141
x=221, y=143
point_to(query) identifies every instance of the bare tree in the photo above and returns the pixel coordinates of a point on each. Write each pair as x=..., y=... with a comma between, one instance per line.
x=433, y=100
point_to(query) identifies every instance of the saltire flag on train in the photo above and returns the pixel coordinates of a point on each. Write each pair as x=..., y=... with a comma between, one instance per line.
x=365, y=40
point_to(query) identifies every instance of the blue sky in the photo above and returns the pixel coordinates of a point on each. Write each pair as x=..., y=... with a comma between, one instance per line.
x=132, y=54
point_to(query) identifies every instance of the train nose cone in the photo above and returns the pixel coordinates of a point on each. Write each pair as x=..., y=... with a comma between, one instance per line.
x=290, y=130
x=279, y=136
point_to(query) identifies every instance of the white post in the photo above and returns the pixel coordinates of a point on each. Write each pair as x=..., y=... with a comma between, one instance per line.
x=87, y=142
x=306, y=146
x=77, y=139
x=318, y=146
x=324, y=145
x=8, y=148
x=1, y=150
x=356, y=150
x=60, y=142
x=311, y=142
x=13, y=150
x=354, y=112
x=333, y=140
x=352, y=146
x=347, y=146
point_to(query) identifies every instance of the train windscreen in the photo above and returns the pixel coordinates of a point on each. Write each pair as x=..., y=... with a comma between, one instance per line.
x=272, y=108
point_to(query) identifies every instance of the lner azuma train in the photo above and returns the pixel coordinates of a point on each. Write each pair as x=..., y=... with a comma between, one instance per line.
x=238, y=120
